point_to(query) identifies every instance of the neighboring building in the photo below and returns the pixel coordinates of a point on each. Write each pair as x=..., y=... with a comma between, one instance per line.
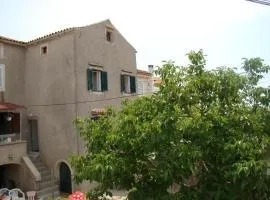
x=57, y=78
x=145, y=81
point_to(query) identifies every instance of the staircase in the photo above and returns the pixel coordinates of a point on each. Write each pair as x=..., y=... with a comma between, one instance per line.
x=48, y=186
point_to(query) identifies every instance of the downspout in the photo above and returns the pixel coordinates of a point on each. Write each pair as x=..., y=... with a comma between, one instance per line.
x=75, y=87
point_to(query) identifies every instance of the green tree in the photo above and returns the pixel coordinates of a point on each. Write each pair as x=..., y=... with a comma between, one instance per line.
x=205, y=130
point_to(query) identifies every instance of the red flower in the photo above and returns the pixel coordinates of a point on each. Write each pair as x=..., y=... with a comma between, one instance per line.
x=76, y=196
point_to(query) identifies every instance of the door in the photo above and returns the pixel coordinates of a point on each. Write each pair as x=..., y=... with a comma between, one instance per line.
x=65, y=179
x=34, y=135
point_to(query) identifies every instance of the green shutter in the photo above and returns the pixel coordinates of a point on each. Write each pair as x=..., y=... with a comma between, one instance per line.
x=122, y=83
x=132, y=84
x=104, y=81
x=89, y=79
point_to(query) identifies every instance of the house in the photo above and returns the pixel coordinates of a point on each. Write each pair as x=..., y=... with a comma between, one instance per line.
x=45, y=84
x=145, y=81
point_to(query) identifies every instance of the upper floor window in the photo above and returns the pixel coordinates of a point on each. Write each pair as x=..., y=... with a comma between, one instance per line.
x=44, y=50
x=109, y=35
x=2, y=77
x=128, y=84
x=97, y=80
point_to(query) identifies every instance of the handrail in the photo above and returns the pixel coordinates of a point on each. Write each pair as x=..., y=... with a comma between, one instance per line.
x=32, y=168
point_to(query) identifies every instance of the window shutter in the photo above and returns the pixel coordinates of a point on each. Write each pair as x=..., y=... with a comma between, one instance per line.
x=89, y=79
x=122, y=83
x=132, y=84
x=104, y=81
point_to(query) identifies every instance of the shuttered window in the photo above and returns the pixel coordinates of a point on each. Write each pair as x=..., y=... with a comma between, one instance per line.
x=104, y=81
x=97, y=80
x=132, y=84
x=128, y=84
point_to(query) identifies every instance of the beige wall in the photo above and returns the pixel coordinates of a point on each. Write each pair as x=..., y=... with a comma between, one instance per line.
x=50, y=97
x=14, y=60
x=93, y=48
x=12, y=152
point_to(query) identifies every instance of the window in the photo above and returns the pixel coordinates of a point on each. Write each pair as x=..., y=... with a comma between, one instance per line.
x=128, y=84
x=44, y=50
x=109, y=35
x=97, y=80
x=2, y=77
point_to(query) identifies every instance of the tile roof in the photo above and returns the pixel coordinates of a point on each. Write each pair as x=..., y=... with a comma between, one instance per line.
x=50, y=36
x=10, y=106
x=37, y=40
x=46, y=37
x=142, y=72
x=54, y=35
x=11, y=41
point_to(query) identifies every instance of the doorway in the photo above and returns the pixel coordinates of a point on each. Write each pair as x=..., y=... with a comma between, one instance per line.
x=65, y=178
x=33, y=127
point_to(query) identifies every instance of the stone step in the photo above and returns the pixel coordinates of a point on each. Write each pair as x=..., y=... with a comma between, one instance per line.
x=39, y=164
x=49, y=196
x=45, y=173
x=41, y=168
x=47, y=183
x=47, y=177
x=48, y=191
x=48, y=187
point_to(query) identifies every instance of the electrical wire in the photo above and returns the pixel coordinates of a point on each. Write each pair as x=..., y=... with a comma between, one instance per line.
x=80, y=102
x=263, y=2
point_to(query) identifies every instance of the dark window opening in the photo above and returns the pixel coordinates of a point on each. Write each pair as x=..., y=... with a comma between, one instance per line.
x=9, y=123
x=44, y=50
x=109, y=36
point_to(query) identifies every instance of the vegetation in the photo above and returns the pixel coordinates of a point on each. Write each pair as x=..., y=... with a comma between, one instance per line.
x=205, y=131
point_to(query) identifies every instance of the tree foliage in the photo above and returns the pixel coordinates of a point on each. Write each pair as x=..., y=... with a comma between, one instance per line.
x=205, y=130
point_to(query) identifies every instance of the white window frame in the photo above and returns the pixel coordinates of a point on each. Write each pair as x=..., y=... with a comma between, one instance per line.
x=97, y=81
x=2, y=85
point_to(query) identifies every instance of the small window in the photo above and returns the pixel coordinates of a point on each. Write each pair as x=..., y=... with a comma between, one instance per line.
x=2, y=77
x=97, y=80
x=44, y=50
x=109, y=35
x=128, y=84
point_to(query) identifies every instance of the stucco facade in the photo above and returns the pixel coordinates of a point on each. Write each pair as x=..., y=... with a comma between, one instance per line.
x=52, y=84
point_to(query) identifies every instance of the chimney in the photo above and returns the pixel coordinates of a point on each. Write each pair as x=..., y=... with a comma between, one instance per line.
x=150, y=68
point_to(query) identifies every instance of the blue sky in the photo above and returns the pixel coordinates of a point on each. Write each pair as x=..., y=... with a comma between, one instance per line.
x=226, y=30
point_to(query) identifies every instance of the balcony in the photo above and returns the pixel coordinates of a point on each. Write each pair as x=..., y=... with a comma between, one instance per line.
x=12, y=148
x=12, y=151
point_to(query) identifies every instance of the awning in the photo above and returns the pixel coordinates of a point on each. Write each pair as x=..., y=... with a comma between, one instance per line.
x=10, y=106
